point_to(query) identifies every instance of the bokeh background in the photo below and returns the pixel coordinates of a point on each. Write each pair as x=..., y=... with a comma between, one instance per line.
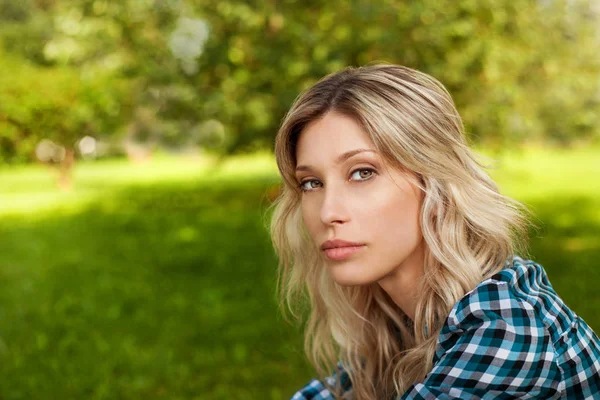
x=136, y=169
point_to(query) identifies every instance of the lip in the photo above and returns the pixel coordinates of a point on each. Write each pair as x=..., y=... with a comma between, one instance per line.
x=340, y=253
x=331, y=244
x=338, y=249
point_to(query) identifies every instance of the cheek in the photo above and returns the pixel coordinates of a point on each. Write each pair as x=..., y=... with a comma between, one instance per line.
x=394, y=219
x=310, y=218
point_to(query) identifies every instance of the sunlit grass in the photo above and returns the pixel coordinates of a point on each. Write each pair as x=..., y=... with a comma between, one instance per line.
x=33, y=189
x=537, y=173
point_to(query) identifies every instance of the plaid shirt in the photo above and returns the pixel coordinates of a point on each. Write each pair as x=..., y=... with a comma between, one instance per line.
x=511, y=337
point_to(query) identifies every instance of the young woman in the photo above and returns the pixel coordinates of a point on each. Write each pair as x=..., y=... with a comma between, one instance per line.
x=407, y=254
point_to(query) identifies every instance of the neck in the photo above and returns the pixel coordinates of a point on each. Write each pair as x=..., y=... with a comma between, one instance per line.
x=402, y=284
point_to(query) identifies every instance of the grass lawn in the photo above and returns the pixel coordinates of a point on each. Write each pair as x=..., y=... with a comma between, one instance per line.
x=157, y=280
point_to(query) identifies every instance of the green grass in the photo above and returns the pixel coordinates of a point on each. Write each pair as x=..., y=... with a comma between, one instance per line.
x=157, y=280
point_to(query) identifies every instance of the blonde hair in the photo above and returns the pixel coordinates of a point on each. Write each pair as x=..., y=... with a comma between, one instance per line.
x=469, y=228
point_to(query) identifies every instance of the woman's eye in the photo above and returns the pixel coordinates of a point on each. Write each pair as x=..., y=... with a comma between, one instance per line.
x=307, y=188
x=363, y=174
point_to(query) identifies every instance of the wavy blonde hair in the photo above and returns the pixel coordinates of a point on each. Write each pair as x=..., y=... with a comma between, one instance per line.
x=469, y=228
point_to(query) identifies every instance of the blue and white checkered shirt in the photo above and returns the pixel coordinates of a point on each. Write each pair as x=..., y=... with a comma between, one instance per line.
x=511, y=337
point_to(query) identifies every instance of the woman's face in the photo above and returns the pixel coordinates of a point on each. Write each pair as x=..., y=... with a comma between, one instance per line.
x=351, y=195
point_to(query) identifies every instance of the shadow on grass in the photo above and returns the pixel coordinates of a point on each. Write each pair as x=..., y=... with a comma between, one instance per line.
x=168, y=292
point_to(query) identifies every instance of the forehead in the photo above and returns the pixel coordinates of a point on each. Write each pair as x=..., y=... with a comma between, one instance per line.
x=330, y=136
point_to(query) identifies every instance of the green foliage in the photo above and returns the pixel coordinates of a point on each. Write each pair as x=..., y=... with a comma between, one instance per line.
x=519, y=70
x=54, y=103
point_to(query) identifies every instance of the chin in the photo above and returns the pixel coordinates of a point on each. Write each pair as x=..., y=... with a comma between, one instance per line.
x=349, y=275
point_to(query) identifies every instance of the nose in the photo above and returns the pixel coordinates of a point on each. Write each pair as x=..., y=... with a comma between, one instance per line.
x=333, y=208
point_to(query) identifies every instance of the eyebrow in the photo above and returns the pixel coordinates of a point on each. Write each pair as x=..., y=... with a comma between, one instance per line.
x=341, y=158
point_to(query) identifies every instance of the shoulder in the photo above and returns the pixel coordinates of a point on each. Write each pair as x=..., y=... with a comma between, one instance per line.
x=504, y=313
x=493, y=342
x=514, y=329
x=521, y=294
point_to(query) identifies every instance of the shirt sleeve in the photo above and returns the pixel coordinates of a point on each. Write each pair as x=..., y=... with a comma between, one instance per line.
x=316, y=389
x=493, y=346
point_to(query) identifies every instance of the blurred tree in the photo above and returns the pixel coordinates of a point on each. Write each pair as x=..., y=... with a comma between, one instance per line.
x=52, y=91
x=508, y=63
x=221, y=74
x=519, y=70
x=55, y=104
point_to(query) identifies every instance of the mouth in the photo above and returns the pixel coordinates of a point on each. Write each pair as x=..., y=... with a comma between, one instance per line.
x=341, y=253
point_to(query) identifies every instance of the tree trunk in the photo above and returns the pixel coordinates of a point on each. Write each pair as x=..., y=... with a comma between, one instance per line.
x=65, y=170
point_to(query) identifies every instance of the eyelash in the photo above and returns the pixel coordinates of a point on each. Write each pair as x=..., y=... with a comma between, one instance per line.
x=301, y=185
